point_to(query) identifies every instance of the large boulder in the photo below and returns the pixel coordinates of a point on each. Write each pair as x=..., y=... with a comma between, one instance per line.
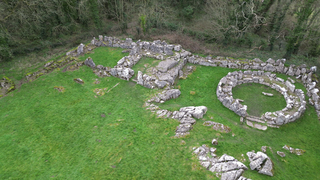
x=261, y=162
x=89, y=62
x=267, y=168
x=164, y=66
x=168, y=50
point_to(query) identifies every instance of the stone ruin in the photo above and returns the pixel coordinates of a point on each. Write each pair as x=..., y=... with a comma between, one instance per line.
x=185, y=115
x=225, y=167
x=295, y=98
x=173, y=58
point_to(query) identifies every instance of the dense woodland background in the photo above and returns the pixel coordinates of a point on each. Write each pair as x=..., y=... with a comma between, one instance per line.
x=289, y=26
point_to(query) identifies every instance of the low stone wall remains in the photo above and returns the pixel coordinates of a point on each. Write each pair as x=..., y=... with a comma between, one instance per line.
x=174, y=58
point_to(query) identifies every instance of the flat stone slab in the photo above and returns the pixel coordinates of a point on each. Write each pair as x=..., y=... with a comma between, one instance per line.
x=267, y=94
x=261, y=127
x=255, y=119
x=164, y=66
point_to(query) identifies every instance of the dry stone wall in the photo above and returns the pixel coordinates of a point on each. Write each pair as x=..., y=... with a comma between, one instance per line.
x=295, y=98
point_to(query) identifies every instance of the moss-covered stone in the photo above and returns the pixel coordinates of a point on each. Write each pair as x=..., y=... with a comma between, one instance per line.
x=60, y=88
x=10, y=83
x=29, y=73
x=99, y=92
x=40, y=74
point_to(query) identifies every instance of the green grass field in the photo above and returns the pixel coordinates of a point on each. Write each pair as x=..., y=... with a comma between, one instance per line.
x=46, y=134
x=258, y=103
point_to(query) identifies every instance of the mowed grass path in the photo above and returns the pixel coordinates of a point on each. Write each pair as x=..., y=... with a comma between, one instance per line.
x=73, y=135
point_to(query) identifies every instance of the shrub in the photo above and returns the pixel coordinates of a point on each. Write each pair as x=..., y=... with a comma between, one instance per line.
x=188, y=12
x=5, y=51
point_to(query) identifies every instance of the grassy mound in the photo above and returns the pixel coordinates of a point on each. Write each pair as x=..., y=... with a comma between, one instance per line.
x=75, y=135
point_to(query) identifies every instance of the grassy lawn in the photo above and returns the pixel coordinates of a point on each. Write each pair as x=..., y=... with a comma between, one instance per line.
x=258, y=103
x=46, y=134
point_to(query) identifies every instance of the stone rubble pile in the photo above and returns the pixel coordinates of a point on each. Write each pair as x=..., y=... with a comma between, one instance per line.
x=7, y=85
x=165, y=95
x=218, y=126
x=122, y=73
x=226, y=167
x=185, y=115
x=294, y=151
x=295, y=99
x=164, y=74
x=261, y=162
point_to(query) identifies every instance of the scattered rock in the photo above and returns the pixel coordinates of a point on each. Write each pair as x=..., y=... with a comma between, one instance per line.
x=267, y=94
x=59, y=88
x=282, y=154
x=218, y=126
x=214, y=142
x=295, y=151
x=264, y=149
x=78, y=80
x=241, y=120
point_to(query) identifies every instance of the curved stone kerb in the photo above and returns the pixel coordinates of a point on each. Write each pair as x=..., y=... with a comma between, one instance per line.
x=295, y=98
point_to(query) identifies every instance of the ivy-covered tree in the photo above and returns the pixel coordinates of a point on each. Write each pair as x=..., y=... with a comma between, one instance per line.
x=304, y=10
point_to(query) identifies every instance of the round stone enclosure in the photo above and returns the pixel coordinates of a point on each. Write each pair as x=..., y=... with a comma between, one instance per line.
x=295, y=98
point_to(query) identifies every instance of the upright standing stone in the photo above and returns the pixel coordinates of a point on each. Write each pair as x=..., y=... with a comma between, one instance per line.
x=80, y=49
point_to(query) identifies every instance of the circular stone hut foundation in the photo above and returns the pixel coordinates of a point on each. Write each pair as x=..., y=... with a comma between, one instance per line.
x=295, y=98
